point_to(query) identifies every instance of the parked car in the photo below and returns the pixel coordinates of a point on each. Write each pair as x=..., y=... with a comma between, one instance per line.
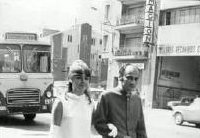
x=190, y=113
x=184, y=101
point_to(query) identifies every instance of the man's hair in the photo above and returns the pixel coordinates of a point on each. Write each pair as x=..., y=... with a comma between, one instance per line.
x=122, y=70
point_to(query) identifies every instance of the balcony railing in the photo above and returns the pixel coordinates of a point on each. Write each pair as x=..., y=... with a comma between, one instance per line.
x=139, y=52
x=131, y=19
x=131, y=1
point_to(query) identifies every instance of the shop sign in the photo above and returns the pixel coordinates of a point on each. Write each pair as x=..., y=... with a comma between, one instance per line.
x=21, y=36
x=148, y=23
x=139, y=65
x=178, y=50
x=129, y=52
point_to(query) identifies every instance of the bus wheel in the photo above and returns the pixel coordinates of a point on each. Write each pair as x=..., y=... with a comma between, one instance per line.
x=29, y=117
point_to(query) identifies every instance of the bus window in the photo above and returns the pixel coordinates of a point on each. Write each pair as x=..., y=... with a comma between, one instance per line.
x=10, y=59
x=36, y=58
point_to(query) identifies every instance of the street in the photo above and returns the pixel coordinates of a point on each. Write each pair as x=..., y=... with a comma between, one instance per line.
x=15, y=126
x=159, y=123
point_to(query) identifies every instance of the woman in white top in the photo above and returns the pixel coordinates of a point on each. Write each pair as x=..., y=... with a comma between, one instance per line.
x=71, y=115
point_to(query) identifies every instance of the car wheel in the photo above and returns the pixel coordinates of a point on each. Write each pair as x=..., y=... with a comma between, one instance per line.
x=198, y=125
x=29, y=117
x=178, y=118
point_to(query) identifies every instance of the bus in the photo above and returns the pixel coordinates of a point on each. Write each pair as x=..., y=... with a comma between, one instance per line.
x=26, y=80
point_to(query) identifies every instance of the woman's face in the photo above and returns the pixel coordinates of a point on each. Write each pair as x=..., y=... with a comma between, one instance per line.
x=80, y=83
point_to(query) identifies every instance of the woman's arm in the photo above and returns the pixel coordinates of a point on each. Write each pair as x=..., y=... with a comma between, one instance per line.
x=56, y=119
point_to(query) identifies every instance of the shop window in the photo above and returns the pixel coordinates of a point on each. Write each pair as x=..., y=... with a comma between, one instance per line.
x=93, y=41
x=133, y=42
x=192, y=13
x=168, y=18
x=115, y=82
x=161, y=19
x=107, y=12
x=69, y=38
x=180, y=16
x=105, y=42
x=169, y=74
x=173, y=17
x=197, y=17
x=100, y=41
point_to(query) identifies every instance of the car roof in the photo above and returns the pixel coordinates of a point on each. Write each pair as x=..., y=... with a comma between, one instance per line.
x=96, y=89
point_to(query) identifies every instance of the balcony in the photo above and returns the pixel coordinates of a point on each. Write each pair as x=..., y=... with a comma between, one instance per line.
x=130, y=22
x=129, y=53
x=131, y=1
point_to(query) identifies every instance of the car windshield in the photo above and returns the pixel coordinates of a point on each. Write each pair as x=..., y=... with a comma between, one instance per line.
x=36, y=58
x=196, y=103
x=10, y=58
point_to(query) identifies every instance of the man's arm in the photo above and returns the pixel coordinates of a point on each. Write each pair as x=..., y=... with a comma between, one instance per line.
x=100, y=117
x=141, y=129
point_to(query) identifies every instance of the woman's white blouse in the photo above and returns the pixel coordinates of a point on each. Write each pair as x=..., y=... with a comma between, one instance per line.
x=76, y=118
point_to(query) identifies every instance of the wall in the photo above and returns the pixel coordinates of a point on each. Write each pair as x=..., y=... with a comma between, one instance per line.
x=179, y=34
x=58, y=61
x=95, y=58
x=73, y=47
x=85, y=44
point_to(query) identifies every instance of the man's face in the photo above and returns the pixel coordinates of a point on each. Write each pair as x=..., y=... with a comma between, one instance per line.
x=80, y=83
x=130, y=78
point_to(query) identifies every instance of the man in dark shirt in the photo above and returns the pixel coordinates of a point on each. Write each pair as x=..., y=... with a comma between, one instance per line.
x=119, y=112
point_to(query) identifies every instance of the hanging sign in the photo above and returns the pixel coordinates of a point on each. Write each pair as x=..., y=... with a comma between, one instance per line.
x=148, y=23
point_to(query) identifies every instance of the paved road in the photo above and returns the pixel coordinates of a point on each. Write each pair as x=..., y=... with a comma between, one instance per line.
x=159, y=125
x=16, y=127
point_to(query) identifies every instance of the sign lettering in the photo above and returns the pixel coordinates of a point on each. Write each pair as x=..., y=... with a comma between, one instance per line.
x=148, y=23
x=178, y=50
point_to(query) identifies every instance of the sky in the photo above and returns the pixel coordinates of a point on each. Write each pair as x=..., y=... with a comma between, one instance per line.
x=34, y=15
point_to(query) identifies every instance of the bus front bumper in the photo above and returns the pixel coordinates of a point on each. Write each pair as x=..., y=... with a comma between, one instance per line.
x=24, y=109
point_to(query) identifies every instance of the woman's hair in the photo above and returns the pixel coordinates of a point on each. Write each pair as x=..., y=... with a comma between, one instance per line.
x=79, y=67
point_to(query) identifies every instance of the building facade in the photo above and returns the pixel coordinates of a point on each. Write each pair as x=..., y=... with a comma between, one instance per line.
x=78, y=42
x=127, y=42
x=178, y=52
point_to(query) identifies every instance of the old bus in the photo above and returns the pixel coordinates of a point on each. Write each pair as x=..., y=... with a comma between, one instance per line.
x=25, y=75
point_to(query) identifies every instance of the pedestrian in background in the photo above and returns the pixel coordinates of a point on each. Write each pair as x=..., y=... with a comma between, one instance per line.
x=71, y=115
x=119, y=112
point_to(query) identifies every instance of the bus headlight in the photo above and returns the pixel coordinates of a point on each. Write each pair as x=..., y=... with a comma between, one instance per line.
x=48, y=94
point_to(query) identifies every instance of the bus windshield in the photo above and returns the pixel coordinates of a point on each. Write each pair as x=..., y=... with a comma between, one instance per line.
x=10, y=58
x=36, y=58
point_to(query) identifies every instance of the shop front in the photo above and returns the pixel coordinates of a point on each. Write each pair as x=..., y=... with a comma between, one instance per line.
x=137, y=58
x=178, y=73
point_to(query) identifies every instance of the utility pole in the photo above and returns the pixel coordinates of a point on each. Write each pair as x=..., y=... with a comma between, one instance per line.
x=151, y=23
x=154, y=50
